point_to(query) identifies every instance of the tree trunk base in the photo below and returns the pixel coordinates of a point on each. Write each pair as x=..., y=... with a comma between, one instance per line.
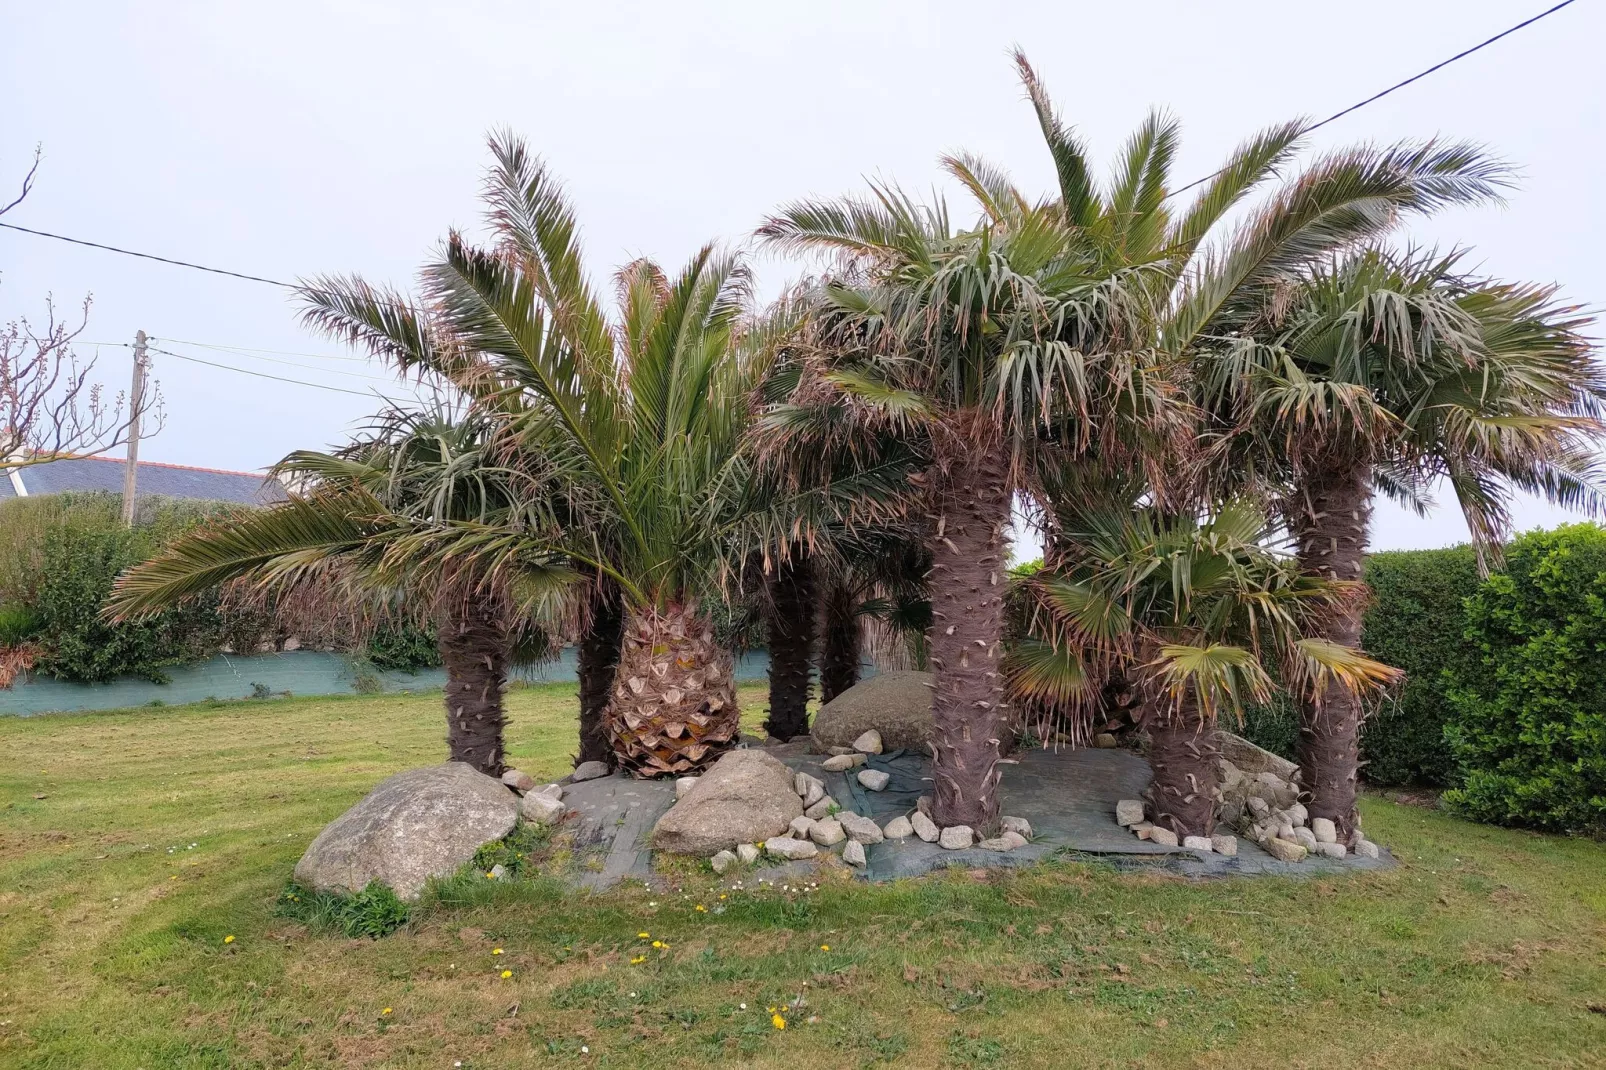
x=1182, y=754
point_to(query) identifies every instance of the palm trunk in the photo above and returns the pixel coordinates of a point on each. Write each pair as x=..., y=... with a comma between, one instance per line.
x=597, y=658
x=474, y=648
x=673, y=707
x=1182, y=754
x=971, y=506
x=839, y=654
x=1331, y=539
x=791, y=645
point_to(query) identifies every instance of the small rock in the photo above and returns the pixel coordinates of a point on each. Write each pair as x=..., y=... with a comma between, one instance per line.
x=956, y=837
x=724, y=860
x=1142, y=829
x=747, y=853
x=800, y=827
x=803, y=782
x=827, y=832
x=589, y=771
x=1366, y=849
x=861, y=829
x=683, y=785
x=498, y=872
x=1259, y=809
x=1232, y=812
x=924, y=827
x=836, y=751
x=997, y=843
x=1014, y=838
x=869, y=743
x=787, y=847
x=518, y=780
x=551, y=791
x=841, y=763
x=924, y=804
x=1129, y=811
x=541, y=809
x=1324, y=829
x=815, y=794
x=1017, y=824
x=1283, y=830
x=853, y=854
x=1305, y=838
x=821, y=809
x=1330, y=850
x=1198, y=843
x=1163, y=836
x=875, y=779
x=1106, y=741
x=1299, y=815
x=1224, y=845
x=1284, y=850
x=898, y=828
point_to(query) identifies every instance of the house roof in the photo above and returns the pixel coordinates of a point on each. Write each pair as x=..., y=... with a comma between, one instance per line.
x=168, y=480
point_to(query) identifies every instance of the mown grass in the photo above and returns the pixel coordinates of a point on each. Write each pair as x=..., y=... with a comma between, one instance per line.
x=1485, y=947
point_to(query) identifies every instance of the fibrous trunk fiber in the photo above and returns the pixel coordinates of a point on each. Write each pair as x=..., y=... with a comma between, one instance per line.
x=839, y=650
x=1182, y=755
x=971, y=507
x=791, y=645
x=673, y=708
x=597, y=658
x=1330, y=533
x=474, y=647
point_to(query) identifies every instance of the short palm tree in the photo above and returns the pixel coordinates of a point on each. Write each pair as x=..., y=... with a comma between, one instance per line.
x=366, y=528
x=1192, y=611
x=1381, y=370
x=1047, y=334
x=640, y=417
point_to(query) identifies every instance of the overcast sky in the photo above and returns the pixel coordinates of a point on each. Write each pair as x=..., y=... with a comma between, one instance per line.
x=299, y=138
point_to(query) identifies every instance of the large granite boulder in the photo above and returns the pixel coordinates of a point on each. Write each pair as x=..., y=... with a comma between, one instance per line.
x=419, y=824
x=895, y=704
x=745, y=797
x=1252, y=759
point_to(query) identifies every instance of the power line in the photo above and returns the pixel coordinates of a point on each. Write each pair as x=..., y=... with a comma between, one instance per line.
x=1397, y=85
x=280, y=352
x=1197, y=182
x=263, y=375
x=287, y=363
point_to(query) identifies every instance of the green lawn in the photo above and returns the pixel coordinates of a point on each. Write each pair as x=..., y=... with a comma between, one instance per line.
x=132, y=844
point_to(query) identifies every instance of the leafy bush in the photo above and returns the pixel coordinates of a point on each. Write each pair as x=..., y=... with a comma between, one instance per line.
x=373, y=912
x=1416, y=623
x=18, y=624
x=1529, y=722
x=404, y=647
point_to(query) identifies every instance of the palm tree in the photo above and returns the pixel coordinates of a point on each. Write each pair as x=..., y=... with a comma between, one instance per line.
x=1045, y=335
x=1384, y=371
x=1190, y=610
x=789, y=610
x=367, y=530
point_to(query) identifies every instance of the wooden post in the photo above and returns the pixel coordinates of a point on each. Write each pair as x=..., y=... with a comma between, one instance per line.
x=135, y=398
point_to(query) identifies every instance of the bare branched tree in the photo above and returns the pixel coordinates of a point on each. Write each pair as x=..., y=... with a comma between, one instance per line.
x=49, y=405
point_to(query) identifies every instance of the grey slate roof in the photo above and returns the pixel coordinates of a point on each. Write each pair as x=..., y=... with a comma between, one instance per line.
x=168, y=480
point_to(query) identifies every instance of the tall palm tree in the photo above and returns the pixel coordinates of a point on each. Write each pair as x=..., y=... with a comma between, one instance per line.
x=367, y=529
x=789, y=610
x=1193, y=611
x=1046, y=334
x=1384, y=371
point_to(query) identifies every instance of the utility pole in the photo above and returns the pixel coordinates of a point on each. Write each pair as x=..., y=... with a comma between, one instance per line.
x=135, y=397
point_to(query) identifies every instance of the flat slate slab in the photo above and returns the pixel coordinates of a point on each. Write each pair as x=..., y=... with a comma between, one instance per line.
x=1069, y=796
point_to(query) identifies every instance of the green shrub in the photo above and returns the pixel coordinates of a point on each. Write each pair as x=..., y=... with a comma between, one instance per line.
x=1416, y=623
x=1273, y=726
x=373, y=912
x=1529, y=723
x=403, y=647
x=18, y=624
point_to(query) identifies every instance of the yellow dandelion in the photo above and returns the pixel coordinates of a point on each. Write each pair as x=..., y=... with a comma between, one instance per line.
x=638, y=960
x=643, y=936
x=825, y=947
x=496, y=951
x=228, y=939
x=506, y=974
x=701, y=909
x=777, y=1021
x=722, y=896
x=384, y=1012
x=489, y=875
x=657, y=943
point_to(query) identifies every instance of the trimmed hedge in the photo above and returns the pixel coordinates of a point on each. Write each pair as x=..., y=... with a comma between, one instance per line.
x=1529, y=723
